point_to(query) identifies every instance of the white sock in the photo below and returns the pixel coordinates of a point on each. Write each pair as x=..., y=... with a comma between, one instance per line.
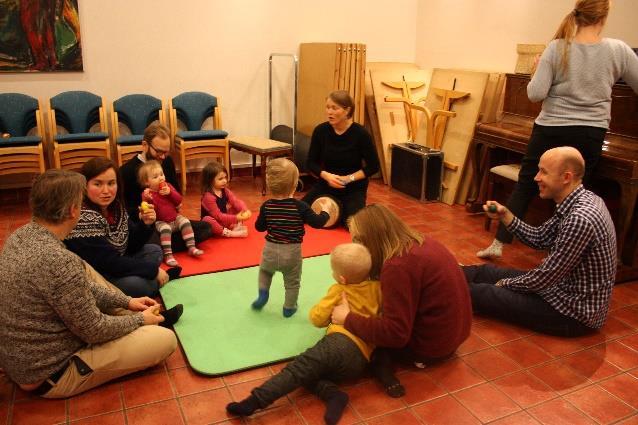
x=493, y=251
x=235, y=233
x=239, y=226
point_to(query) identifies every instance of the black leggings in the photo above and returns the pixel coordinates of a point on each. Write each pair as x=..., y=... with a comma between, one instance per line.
x=588, y=141
x=352, y=199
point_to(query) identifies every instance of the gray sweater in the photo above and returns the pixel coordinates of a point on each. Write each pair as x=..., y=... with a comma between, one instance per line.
x=48, y=307
x=581, y=95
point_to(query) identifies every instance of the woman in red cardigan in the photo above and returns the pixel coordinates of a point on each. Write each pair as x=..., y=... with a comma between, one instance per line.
x=427, y=312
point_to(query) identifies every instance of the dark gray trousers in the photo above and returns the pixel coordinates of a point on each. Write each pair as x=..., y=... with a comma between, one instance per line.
x=284, y=258
x=334, y=358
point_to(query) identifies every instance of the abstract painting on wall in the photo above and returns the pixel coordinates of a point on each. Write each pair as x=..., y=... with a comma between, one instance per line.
x=40, y=35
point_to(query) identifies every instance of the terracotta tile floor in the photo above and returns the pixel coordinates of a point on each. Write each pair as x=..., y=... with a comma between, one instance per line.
x=502, y=374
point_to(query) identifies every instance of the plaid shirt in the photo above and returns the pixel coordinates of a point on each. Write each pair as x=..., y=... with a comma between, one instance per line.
x=577, y=276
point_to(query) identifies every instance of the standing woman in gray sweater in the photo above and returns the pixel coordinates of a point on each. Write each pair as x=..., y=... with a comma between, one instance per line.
x=573, y=79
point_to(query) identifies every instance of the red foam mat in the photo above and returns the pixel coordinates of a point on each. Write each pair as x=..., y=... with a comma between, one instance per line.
x=233, y=253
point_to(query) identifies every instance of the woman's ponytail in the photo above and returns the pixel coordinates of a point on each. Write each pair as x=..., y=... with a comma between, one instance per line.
x=566, y=32
x=585, y=13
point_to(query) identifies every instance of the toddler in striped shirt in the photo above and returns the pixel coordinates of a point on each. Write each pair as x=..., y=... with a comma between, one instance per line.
x=283, y=218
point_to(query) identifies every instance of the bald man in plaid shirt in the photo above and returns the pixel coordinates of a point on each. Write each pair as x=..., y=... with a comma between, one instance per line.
x=568, y=293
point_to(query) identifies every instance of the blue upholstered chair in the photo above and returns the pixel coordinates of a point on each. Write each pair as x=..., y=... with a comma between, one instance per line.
x=78, y=128
x=21, y=134
x=131, y=114
x=190, y=113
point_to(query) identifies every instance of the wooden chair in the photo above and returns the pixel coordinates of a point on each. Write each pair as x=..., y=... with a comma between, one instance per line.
x=131, y=114
x=189, y=114
x=78, y=128
x=22, y=132
x=500, y=174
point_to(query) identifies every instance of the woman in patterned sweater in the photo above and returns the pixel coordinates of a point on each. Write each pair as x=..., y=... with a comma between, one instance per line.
x=107, y=239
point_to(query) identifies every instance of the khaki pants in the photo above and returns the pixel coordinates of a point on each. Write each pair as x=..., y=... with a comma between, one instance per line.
x=144, y=347
x=141, y=349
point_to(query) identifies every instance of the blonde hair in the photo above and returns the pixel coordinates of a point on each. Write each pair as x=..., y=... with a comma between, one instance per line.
x=145, y=171
x=282, y=176
x=585, y=13
x=53, y=194
x=383, y=233
x=352, y=261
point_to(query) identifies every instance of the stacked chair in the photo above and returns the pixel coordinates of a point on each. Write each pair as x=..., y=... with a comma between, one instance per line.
x=78, y=128
x=133, y=113
x=190, y=114
x=22, y=131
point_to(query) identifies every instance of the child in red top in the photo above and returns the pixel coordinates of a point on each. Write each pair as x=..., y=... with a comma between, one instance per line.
x=220, y=207
x=166, y=200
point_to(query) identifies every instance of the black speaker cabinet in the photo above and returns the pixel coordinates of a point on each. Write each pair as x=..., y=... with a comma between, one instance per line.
x=417, y=171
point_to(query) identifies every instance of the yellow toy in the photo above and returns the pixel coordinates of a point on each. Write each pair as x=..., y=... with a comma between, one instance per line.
x=145, y=206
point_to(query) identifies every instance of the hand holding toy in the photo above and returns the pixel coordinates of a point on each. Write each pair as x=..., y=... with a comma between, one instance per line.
x=244, y=215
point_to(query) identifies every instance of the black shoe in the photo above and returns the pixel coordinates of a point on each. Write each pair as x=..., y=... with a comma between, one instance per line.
x=395, y=390
x=172, y=315
x=174, y=272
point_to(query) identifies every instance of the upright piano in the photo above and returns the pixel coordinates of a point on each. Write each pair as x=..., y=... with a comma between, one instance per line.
x=619, y=159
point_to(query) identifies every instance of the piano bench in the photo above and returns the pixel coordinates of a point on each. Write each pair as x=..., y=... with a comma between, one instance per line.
x=499, y=174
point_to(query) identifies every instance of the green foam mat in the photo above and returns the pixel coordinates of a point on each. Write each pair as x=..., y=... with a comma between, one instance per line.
x=220, y=333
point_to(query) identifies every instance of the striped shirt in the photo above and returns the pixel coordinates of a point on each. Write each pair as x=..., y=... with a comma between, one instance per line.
x=577, y=276
x=284, y=220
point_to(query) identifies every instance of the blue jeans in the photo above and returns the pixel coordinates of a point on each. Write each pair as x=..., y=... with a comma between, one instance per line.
x=137, y=286
x=529, y=310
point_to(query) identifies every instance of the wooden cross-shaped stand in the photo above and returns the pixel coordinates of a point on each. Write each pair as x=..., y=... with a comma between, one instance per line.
x=406, y=87
x=432, y=124
x=448, y=98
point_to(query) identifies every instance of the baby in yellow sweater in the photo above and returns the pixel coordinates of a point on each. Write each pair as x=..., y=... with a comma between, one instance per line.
x=339, y=355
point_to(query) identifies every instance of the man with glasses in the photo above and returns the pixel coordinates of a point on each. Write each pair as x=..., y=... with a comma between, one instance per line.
x=156, y=145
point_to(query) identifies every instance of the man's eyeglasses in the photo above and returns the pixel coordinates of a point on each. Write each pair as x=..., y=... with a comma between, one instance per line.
x=157, y=151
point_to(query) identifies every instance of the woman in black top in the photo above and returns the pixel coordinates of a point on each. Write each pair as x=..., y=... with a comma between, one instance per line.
x=342, y=156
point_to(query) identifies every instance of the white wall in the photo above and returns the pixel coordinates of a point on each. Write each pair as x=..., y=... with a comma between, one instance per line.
x=164, y=47
x=482, y=34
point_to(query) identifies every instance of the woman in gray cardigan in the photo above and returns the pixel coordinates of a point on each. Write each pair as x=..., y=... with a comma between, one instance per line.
x=573, y=79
